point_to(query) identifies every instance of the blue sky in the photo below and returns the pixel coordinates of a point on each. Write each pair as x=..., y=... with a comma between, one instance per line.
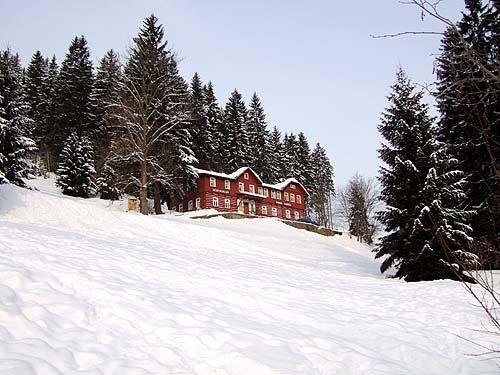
x=313, y=64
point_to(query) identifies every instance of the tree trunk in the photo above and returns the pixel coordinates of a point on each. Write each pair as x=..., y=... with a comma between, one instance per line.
x=47, y=155
x=143, y=192
x=157, y=197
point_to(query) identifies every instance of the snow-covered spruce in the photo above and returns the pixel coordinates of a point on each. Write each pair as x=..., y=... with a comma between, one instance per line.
x=236, y=141
x=15, y=124
x=107, y=184
x=75, y=173
x=428, y=234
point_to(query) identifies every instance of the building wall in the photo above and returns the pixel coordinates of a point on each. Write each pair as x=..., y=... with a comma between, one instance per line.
x=207, y=193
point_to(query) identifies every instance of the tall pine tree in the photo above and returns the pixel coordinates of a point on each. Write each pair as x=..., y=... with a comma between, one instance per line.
x=419, y=191
x=201, y=127
x=468, y=100
x=107, y=83
x=75, y=109
x=46, y=129
x=258, y=135
x=15, y=124
x=235, y=138
x=214, y=123
x=319, y=204
x=275, y=161
x=36, y=74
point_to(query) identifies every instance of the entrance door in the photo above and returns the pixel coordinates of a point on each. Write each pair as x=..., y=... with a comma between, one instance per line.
x=240, y=206
x=252, y=208
x=246, y=208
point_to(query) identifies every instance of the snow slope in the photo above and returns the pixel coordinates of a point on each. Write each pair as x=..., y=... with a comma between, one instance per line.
x=86, y=288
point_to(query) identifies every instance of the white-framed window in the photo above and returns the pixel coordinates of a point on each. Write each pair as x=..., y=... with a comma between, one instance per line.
x=297, y=215
x=274, y=211
x=198, y=203
x=288, y=214
x=227, y=203
x=190, y=205
x=293, y=186
x=286, y=196
x=246, y=176
x=292, y=197
x=251, y=189
x=227, y=184
x=215, y=202
x=213, y=182
x=181, y=207
x=241, y=187
x=299, y=199
x=266, y=192
x=278, y=195
x=260, y=190
x=264, y=210
x=273, y=194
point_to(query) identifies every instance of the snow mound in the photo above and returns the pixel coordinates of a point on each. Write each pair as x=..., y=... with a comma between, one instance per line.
x=88, y=289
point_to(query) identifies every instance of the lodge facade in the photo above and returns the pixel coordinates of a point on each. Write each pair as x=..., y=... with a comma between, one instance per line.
x=244, y=192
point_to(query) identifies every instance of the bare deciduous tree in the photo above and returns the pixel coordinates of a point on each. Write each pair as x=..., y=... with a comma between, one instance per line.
x=358, y=203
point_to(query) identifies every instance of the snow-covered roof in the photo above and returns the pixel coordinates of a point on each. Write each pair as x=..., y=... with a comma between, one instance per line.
x=231, y=176
x=282, y=185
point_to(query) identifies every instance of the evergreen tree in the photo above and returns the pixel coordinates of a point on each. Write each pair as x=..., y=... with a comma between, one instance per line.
x=75, y=108
x=46, y=129
x=410, y=181
x=275, y=161
x=15, y=124
x=236, y=143
x=290, y=164
x=213, y=115
x=107, y=81
x=441, y=233
x=75, y=173
x=304, y=164
x=258, y=135
x=468, y=101
x=201, y=128
x=319, y=204
x=35, y=76
x=107, y=182
x=3, y=158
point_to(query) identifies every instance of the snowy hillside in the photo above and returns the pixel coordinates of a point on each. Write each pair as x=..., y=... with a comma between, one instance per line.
x=86, y=288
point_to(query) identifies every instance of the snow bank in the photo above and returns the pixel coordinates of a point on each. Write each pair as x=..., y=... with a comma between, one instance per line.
x=88, y=289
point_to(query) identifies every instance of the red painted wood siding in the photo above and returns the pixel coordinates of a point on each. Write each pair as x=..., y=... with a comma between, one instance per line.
x=206, y=193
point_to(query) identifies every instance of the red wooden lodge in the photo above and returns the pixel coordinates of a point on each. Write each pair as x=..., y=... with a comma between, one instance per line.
x=244, y=192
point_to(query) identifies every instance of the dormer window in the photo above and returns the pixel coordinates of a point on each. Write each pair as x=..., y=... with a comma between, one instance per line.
x=292, y=186
x=246, y=176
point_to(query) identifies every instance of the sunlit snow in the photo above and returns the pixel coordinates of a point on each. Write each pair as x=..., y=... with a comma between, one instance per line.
x=86, y=288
